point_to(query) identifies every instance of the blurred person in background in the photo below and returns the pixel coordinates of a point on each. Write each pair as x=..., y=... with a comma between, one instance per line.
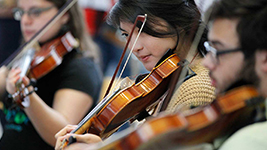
x=66, y=93
x=9, y=41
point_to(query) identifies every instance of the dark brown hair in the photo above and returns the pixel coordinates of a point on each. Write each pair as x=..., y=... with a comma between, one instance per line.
x=252, y=23
x=180, y=16
x=76, y=26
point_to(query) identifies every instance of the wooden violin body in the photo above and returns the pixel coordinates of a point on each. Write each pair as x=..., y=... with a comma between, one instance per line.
x=45, y=60
x=131, y=101
x=138, y=97
x=168, y=131
x=225, y=115
x=51, y=55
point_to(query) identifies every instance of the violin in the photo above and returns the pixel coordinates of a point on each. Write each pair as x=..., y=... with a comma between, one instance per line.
x=51, y=55
x=37, y=64
x=225, y=115
x=44, y=61
x=129, y=102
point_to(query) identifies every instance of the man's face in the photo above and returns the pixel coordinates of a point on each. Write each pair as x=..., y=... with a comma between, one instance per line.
x=225, y=68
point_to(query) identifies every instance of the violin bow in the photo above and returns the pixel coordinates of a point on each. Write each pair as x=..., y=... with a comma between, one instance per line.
x=138, y=18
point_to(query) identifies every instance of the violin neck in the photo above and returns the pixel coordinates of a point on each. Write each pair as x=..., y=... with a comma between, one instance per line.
x=24, y=63
x=86, y=122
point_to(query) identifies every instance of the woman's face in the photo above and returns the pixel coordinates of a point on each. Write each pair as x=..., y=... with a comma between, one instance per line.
x=31, y=24
x=148, y=49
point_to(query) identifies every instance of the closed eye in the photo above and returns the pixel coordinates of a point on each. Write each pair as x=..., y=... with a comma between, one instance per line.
x=124, y=35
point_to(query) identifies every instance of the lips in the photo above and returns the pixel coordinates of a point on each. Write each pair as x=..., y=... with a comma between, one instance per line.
x=144, y=58
x=28, y=33
x=213, y=81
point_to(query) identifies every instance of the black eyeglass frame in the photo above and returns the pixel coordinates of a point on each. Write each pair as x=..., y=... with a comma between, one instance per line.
x=216, y=53
x=18, y=12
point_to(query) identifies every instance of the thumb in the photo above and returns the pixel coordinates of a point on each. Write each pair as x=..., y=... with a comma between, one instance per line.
x=85, y=138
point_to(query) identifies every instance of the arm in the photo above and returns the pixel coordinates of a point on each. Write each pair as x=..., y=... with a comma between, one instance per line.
x=3, y=75
x=48, y=121
x=69, y=106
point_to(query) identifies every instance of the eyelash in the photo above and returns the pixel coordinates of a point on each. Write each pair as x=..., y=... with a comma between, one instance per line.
x=124, y=34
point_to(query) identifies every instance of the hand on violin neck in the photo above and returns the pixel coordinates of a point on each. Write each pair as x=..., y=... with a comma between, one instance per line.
x=64, y=135
x=12, y=81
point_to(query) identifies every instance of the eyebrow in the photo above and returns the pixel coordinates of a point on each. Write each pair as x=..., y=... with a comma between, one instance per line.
x=122, y=29
x=215, y=42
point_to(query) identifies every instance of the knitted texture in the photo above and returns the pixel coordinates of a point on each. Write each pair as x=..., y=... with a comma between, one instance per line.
x=196, y=91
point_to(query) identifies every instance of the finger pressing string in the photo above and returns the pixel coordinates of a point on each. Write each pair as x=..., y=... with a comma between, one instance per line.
x=72, y=139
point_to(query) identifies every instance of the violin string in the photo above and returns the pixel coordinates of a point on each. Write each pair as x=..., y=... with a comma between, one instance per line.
x=95, y=110
x=106, y=99
x=131, y=51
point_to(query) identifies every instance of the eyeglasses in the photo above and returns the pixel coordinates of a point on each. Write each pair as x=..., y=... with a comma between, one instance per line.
x=215, y=54
x=33, y=12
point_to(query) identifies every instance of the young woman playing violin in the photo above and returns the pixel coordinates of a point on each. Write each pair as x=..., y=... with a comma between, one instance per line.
x=170, y=25
x=66, y=93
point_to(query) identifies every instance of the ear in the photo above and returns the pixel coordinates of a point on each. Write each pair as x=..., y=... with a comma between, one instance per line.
x=65, y=18
x=261, y=60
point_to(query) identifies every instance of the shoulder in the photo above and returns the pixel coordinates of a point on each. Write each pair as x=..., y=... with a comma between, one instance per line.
x=196, y=91
x=79, y=72
x=250, y=137
x=80, y=65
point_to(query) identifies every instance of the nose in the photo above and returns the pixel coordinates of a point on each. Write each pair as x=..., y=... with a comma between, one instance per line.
x=136, y=45
x=25, y=19
x=208, y=63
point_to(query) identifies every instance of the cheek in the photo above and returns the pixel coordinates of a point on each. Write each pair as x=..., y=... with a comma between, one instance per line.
x=158, y=49
x=258, y=67
x=260, y=75
x=53, y=31
x=230, y=72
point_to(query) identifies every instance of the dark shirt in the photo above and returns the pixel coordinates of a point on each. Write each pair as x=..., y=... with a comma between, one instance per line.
x=9, y=37
x=74, y=73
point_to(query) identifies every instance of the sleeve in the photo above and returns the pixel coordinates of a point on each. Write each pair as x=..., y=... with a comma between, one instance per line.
x=83, y=75
x=250, y=137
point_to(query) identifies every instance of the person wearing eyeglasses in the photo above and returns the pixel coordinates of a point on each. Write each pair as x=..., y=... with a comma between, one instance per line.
x=237, y=55
x=226, y=52
x=217, y=50
x=64, y=95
